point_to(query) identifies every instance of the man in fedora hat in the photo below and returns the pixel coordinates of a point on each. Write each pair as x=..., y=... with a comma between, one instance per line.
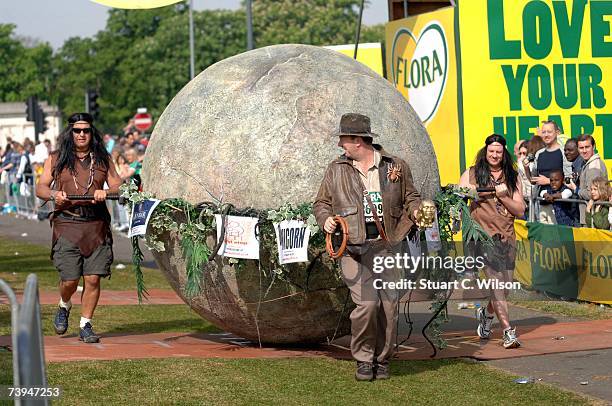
x=373, y=191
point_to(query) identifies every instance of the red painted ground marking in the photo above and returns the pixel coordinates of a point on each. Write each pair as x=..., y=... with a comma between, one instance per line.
x=537, y=340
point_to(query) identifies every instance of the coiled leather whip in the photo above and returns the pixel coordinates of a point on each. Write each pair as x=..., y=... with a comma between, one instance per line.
x=345, y=234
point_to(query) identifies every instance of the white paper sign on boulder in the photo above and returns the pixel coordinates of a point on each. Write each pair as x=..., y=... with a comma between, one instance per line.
x=257, y=131
x=292, y=241
x=240, y=240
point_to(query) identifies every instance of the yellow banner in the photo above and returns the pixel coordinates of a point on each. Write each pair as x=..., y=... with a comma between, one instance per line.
x=526, y=61
x=421, y=63
x=522, y=270
x=589, y=254
x=594, y=257
x=369, y=54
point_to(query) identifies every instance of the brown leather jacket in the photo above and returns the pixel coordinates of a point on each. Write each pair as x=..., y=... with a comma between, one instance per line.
x=341, y=193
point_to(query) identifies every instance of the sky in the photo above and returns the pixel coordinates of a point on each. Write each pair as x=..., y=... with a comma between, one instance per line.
x=55, y=21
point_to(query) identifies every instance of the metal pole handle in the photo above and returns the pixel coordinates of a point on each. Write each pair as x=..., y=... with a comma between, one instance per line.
x=91, y=197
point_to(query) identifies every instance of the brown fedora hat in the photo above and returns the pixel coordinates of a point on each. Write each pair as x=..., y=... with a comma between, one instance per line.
x=356, y=125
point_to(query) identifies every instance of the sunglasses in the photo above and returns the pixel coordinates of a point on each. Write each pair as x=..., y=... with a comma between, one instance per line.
x=81, y=130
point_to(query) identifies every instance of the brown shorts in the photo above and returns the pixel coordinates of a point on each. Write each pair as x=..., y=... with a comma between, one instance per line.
x=71, y=264
x=501, y=256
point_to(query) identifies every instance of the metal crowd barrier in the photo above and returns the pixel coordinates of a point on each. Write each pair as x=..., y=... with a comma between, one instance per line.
x=20, y=197
x=8, y=292
x=534, y=205
x=27, y=340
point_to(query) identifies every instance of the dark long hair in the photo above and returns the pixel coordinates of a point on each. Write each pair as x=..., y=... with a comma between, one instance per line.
x=483, y=170
x=65, y=148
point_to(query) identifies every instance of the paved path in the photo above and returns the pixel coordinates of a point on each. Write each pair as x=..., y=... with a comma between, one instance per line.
x=587, y=372
x=537, y=340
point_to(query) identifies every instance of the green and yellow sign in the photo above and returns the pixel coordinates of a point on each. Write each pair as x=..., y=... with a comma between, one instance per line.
x=504, y=66
x=421, y=63
x=565, y=261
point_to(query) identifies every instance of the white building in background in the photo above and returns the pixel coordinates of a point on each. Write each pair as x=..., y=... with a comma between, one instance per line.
x=13, y=123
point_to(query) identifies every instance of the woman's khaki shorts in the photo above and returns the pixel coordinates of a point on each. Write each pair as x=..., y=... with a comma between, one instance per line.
x=71, y=264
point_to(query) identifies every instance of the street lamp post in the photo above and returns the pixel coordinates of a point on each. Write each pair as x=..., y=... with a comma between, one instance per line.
x=191, y=46
x=358, y=33
x=249, y=16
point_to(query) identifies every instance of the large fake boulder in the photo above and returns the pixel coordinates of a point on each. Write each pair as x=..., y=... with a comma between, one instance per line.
x=256, y=130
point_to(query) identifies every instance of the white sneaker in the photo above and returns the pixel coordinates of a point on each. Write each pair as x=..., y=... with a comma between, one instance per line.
x=484, y=323
x=510, y=340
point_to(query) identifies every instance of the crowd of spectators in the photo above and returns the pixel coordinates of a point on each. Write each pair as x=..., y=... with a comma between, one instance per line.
x=20, y=163
x=127, y=152
x=557, y=169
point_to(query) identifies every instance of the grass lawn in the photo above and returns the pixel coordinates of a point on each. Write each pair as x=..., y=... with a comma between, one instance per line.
x=292, y=381
x=588, y=311
x=288, y=381
x=14, y=269
x=124, y=319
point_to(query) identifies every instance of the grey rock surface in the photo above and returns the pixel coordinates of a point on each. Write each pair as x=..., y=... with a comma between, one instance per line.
x=256, y=130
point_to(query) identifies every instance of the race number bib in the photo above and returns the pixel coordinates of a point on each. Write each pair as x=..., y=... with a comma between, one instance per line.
x=377, y=202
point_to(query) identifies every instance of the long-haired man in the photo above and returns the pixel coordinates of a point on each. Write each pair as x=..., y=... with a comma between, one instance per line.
x=82, y=240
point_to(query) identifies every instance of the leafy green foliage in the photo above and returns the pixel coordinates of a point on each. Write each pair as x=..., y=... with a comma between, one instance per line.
x=314, y=22
x=137, y=257
x=25, y=70
x=194, y=224
x=372, y=33
x=196, y=255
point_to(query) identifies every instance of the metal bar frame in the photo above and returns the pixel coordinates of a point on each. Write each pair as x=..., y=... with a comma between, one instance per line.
x=358, y=33
x=6, y=289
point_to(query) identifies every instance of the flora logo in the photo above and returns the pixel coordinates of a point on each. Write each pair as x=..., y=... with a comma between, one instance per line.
x=420, y=67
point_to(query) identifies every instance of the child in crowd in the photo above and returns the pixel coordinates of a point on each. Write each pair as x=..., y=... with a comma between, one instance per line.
x=557, y=212
x=597, y=216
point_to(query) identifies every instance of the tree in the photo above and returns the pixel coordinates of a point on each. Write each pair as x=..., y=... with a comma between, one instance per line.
x=25, y=71
x=314, y=22
x=75, y=68
x=373, y=33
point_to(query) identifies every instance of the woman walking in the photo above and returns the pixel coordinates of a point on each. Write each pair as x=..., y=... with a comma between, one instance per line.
x=495, y=212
